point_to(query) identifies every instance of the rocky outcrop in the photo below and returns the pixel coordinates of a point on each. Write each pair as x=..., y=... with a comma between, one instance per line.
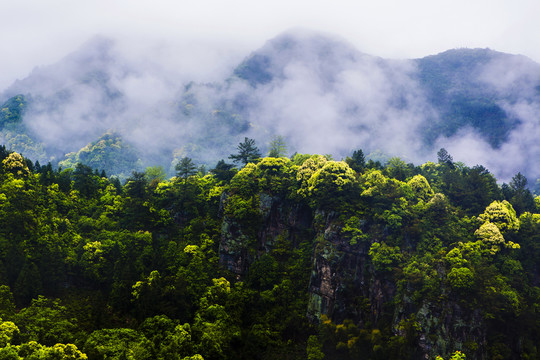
x=278, y=217
x=344, y=283
x=449, y=326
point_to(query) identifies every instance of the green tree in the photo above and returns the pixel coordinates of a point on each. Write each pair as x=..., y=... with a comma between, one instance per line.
x=16, y=165
x=309, y=166
x=444, y=158
x=492, y=239
x=421, y=188
x=314, y=348
x=84, y=180
x=247, y=152
x=384, y=257
x=277, y=147
x=461, y=278
x=8, y=332
x=502, y=214
x=357, y=161
x=46, y=321
x=274, y=174
x=136, y=185
x=155, y=174
x=458, y=355
x=117, y=344
x=185, y=168
x=223, y=171
x=7, y=303
x=519, y=196
x=178, y=344
x=35, y=351
x=331, y=183
x=213, y=326
x=398, y=169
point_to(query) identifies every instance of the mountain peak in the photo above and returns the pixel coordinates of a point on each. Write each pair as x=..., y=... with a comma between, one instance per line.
x=98, y=48
x=313, y=49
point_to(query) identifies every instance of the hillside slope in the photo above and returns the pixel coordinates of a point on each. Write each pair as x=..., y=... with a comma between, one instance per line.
x=316, y=91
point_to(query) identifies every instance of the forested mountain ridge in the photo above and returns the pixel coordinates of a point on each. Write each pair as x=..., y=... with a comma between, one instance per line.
x=301, y=257
x=300, y=82
x=455, y=83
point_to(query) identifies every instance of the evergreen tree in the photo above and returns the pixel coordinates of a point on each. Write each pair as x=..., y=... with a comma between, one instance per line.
x=520, y=197
x=185, y=168
x=223, y=171
x=357, y=162
x=247, y=152
x=444, y=158
x=136, y=185
x=277, y=147
x=84, y=180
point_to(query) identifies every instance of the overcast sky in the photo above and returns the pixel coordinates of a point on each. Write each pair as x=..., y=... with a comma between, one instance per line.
x=38, y=32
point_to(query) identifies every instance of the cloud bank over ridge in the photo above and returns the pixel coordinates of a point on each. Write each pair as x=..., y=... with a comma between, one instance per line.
x=317, y=91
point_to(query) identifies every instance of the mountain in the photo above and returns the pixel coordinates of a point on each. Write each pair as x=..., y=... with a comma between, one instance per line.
x=476, y=88
x=315, y=90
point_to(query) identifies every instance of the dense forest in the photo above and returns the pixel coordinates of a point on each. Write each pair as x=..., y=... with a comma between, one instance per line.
x=272, y=258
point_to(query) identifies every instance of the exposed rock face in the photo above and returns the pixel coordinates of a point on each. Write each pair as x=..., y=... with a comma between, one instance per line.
x=448, y=326
x=344, y=283
x=278, y=218
x=233, y=253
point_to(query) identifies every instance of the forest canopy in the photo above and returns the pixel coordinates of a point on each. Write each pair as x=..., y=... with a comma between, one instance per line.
x=293, y=258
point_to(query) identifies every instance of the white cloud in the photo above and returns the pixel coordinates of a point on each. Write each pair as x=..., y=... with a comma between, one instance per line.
x=39, y=32
x=169, y=43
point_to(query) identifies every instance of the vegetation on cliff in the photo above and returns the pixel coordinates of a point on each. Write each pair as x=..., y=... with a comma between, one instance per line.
x=292, y=258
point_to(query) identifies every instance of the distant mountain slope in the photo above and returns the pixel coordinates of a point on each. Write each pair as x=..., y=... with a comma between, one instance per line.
x=325, y=55
x=109, y=153
x=317, y=91
x=463, y=86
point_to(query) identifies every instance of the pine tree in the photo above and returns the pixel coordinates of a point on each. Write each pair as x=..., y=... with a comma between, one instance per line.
x=277, y=147
x=185, y=168
x=247, y=152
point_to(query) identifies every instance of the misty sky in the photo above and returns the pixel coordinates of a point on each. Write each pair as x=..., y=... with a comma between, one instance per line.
x=37, y=32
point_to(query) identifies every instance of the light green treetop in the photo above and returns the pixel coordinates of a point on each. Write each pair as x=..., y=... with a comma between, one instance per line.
x=8, y=330
x=492, y=238
x=501, y=214
x=16, y=165
x=421, y=187
x=327, y=184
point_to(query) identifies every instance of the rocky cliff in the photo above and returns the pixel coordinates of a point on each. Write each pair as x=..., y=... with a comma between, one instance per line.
x=344, y=285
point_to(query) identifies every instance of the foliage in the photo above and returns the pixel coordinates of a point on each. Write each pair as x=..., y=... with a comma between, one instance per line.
x=12, y=110
x=223, y=171
x=227, y=265
x=458, y=355
x=16, y=165
x=461, y=278
x=155, y=174
x=502, y=215
x=357, y=161
x=278, y=148
x=247, y=152
x=384, y=257
x=109, y=153
x=328, y=184
x=185, y=168
x=34, y=351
